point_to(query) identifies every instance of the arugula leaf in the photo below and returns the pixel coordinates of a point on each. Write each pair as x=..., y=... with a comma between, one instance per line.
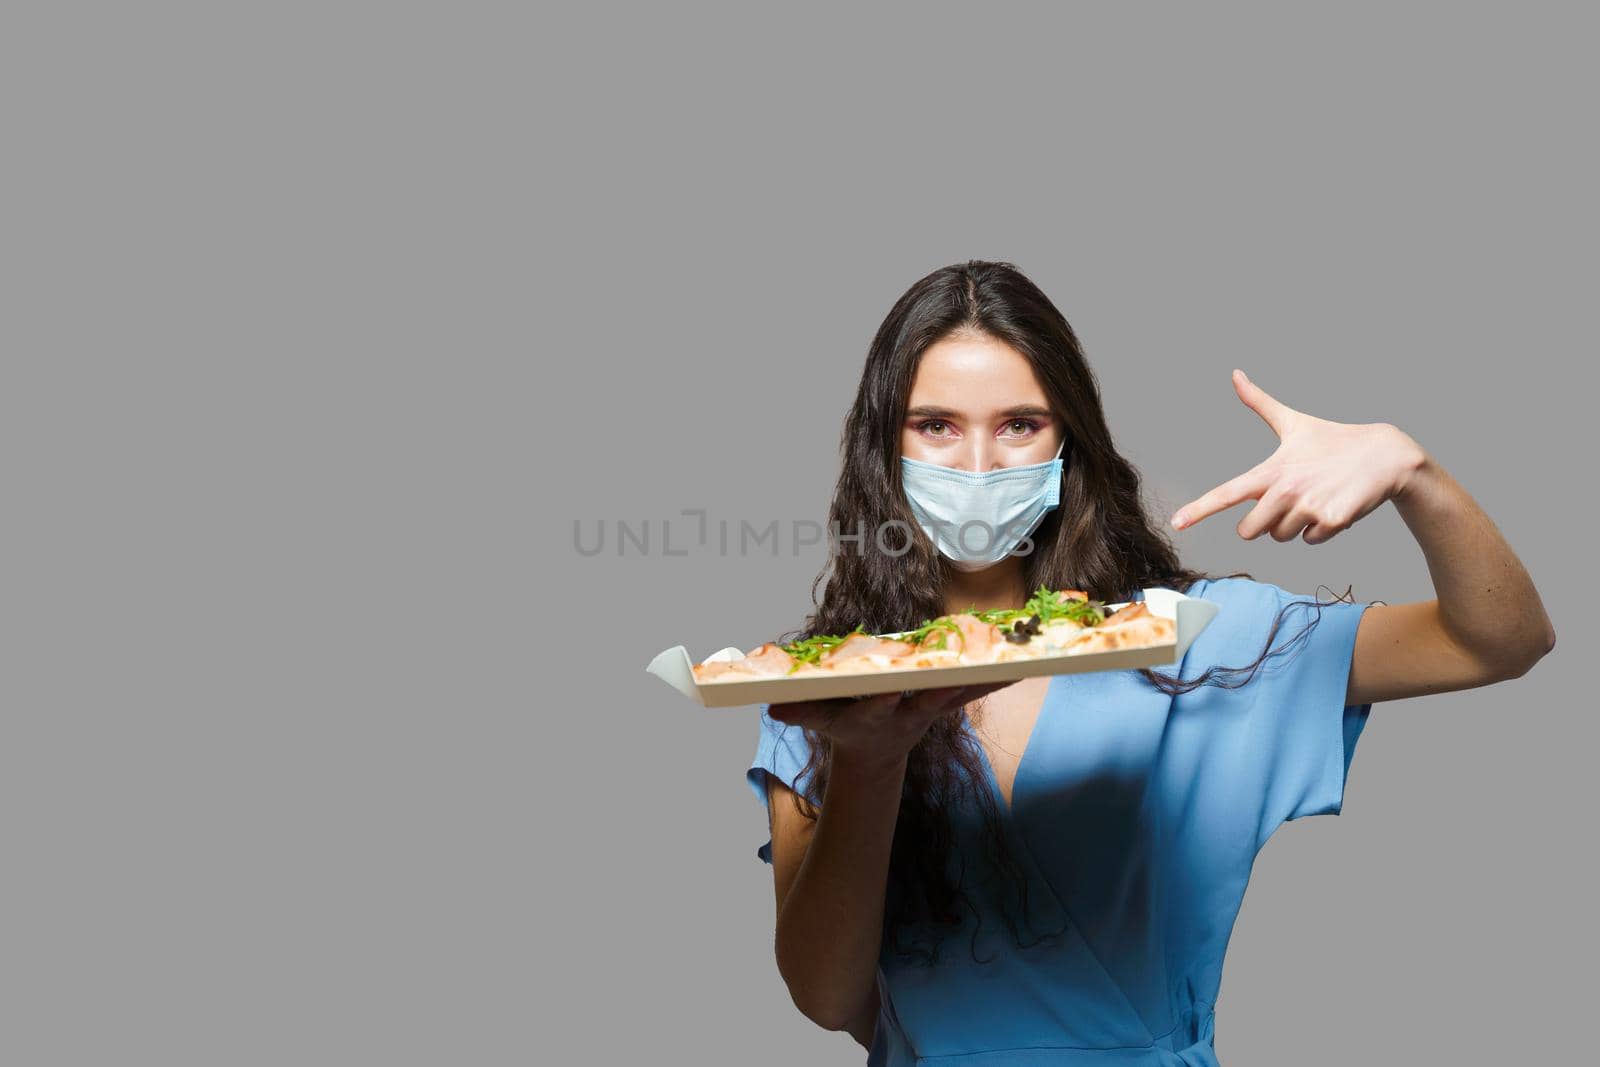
x=811, y=649
x=999, y=616
x=1048, y=605
x=943, y=623
x=1045, y=603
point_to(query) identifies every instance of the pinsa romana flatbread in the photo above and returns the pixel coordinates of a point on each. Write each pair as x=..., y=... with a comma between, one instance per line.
x=1063, y=622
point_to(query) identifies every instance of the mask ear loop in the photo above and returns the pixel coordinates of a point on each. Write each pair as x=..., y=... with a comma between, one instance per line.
x=1061, y=479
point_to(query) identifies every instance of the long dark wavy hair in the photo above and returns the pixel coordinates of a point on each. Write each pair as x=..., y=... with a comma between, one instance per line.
x=1099, y=540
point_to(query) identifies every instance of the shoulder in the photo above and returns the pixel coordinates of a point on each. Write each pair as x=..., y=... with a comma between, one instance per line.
x=1253, y=613
x=1247, y=610
x=1249, y=595
x=1243, y=594
x=1220, y=588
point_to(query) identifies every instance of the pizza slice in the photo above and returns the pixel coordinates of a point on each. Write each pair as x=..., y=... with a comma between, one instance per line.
x=1051, y=623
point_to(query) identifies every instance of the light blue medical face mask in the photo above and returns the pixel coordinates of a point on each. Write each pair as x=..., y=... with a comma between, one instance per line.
x=978, y=518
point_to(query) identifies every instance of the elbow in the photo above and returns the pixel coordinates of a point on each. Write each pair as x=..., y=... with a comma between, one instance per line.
x=825, y=1007
x=819, y=989
x=829, y=1016
x=836, y=1021
x=1546, y=646
x=1538, y=652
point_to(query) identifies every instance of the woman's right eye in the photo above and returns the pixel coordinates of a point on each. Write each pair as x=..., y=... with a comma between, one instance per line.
x=935, y=427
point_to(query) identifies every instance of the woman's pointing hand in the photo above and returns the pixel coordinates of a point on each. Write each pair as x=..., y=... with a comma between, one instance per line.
x=1322, y=479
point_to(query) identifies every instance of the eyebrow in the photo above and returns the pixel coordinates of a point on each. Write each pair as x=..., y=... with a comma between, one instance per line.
x=1021, y=411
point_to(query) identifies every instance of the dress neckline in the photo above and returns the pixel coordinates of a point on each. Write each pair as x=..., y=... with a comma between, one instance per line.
x=991, y=779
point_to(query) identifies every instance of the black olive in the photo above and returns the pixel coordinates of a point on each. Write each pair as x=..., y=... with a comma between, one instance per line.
x=1016, y=638
x=1033, y=624
x=1020, y=626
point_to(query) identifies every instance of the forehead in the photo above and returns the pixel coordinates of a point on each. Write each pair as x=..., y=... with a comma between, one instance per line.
x=972, y=372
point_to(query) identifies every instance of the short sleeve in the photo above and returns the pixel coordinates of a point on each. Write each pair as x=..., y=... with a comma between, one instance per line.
x=1298, y=735
x=1300, y=710
x=781, y=751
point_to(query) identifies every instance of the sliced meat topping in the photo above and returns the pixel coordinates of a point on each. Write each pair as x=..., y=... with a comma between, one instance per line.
x=981, y=638
x=857, y=645
x=1128, y=612
x=767, y=659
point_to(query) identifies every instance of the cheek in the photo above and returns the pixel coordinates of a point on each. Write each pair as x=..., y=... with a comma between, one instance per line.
x=913, y=446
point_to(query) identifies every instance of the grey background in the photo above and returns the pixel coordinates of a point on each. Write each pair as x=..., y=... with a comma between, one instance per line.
x=323, y=324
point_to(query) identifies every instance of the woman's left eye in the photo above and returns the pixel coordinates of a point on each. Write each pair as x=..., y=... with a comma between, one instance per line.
x=1020, y=427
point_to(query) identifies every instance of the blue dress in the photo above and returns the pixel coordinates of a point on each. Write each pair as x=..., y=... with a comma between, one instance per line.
x=1137, y=817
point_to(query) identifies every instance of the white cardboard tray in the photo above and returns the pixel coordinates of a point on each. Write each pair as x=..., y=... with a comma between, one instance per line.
x=1189, y=614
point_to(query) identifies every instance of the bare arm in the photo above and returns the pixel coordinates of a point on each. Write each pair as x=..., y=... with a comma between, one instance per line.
x=831, y=876
x=1488, y=623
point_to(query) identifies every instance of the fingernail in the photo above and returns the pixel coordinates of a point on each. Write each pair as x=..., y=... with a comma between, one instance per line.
x=1178, y=521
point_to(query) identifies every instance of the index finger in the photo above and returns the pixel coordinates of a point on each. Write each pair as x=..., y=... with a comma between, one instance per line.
x=1247, y=486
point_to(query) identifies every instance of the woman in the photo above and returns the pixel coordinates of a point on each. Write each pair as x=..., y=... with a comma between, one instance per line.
x=1083, y=841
